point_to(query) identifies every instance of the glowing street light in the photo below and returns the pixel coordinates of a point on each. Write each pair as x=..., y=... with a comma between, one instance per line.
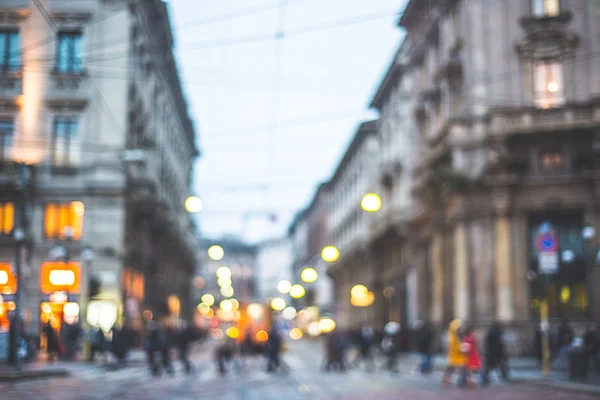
x=216, y=253
x=371, y=202
x=284, y=287
x=289, y=313
x=330, y=253
x=278, y=304
x=193, y=204
x=233, y=332
x=553, y=87
x=226, y=305
x=224, y=282
x=309, y=275
x=296, y=334
x=327, y=325
x=364, y=301
x=297, y=291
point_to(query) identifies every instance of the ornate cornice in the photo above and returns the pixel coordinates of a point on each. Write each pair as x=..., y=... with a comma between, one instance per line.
x=70, y=19
x=547, y=38
x=67, y=105
x=13, y=16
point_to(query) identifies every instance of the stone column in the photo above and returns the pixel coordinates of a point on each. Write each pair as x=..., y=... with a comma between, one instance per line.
x=437, y=303
x=520, y=266
x=461, y=273
x=503, y=268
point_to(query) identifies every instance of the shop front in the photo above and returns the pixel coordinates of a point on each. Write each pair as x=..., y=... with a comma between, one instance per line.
x=8, y=288
x=60, y=284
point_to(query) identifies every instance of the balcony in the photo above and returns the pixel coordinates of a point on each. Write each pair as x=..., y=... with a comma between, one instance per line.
x=11, y=84
x=509, y=121
x=71, y=90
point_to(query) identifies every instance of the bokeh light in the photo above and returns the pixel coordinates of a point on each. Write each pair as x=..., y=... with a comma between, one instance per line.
x=289, y=313
x=233, y=332
x=313, y=329
x=203, y=308
x=359, y=291
x=296, y=334
x=223, y=282
x=278, y=304
x=227, y=291
x=234, y=304
x=330, y=253
x=371, y=202
x=216, y=253
x=193, y=204
x=217, y=334
x=223, y=273
x=255, y=311
x=327, y=325
x=309, y=275
x=226, y=305
x=297, y=291
x=284, y=287
x=208, y=299
x=262, y=336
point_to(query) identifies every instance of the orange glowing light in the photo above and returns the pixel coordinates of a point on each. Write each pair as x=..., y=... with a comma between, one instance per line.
x=60, y=277
x=8, y=281
x=262, y=336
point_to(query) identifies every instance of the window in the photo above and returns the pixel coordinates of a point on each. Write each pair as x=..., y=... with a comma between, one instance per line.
x=548, y=84
x=69, y=52
x=7, y=218
x=6, y=140
x=62, y=220
x=545, y=8
x=65, y=151
x=10, y=51
x=552, y=161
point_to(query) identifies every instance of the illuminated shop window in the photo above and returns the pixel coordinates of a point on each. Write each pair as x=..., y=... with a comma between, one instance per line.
x=63, y=220
x=7, y=218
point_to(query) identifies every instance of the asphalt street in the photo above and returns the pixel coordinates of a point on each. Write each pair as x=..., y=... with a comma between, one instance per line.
x=303, y=381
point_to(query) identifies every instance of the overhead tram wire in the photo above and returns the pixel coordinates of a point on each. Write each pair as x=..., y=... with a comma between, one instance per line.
x=247, y=39
x=52, y=24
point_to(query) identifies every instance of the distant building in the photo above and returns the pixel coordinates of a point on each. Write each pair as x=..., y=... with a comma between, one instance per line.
x=273, y=264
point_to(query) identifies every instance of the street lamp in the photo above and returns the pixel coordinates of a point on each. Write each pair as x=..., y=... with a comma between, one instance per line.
x=216, y=253
x=330, y=254
x=309, y=275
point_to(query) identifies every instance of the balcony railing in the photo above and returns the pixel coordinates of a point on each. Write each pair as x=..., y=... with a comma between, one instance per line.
x=528, y=120
x=11, y=84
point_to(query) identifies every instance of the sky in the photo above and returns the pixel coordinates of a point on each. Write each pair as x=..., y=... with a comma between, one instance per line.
x=274, y=116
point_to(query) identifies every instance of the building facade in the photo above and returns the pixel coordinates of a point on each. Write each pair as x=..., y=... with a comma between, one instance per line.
x=273, y=264
x=71, y=100
x=310, y=234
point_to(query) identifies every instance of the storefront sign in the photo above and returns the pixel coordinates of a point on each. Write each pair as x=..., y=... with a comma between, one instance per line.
x=547, y=247
x=8, y=280
x=60, y=277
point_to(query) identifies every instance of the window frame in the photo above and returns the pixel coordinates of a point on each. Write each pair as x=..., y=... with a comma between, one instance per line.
x=60, y=234
x=541, y=8
x=75, y=62
x=4, y=148
x=70, y=121
x=545, y=98
x=6, y=57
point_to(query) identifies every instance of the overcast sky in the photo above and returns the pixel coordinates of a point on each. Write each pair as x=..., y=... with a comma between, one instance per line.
x=257, y=157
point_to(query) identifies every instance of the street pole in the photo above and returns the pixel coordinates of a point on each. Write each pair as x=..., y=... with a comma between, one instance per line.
x=19, y=236
x=545, y=327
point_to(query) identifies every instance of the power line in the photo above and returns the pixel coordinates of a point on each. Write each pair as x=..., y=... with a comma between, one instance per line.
x=248, y=39
x=54, y=27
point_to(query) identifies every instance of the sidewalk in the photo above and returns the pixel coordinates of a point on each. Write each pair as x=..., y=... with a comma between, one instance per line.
x=41, y=369
x=524, y=370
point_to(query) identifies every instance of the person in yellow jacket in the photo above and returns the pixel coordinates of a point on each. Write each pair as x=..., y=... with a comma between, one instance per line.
x=457, y=358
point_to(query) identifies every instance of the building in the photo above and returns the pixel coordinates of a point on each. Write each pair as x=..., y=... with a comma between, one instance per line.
x=350, y=227
x=91, y=102
x=273, y=265
x=240, y=258
x=309, y=232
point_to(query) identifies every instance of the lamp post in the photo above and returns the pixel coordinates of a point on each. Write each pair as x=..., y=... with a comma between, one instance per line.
x=591, y=258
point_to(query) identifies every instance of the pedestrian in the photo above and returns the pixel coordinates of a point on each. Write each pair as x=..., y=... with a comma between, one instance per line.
x=591, y=342
x=225, y=354
x=274, y=344
x=564, y=338
x=98, y=344
x=457, y=359
x=119, y=344
x=391, y=345
x=52, y=342
x=470, y=347
x=184, y=340
x=495, y=353
x=366, y=338
x=425, y=341
x=334, y=350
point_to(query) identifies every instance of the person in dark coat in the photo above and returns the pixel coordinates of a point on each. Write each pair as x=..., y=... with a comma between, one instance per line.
x=495, y=353
x=183, y=343
x=425, y=341
x=52, y=342
x=98, y=344
x=274, y=350
x=591, y=341
x=366, y=338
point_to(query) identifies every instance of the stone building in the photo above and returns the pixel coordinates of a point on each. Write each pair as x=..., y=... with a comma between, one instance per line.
x=506, y=102
x=310, y=233
x=273, y=265
x=91, y=102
